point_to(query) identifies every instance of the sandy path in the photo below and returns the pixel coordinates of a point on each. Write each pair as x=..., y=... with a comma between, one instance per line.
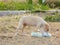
x=28, y=40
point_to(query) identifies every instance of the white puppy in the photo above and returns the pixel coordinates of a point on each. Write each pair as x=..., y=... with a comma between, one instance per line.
x=40, y=23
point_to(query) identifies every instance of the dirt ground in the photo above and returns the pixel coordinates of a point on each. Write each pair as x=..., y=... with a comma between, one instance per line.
x=7, y=31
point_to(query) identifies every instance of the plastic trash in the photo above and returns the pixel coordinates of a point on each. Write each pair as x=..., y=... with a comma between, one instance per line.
x=37, y=34
x=46, y=34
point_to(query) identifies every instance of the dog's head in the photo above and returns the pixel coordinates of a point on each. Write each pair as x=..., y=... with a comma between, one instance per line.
x=47, y=27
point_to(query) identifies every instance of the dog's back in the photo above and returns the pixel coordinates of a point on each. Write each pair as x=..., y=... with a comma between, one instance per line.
x=32, y=20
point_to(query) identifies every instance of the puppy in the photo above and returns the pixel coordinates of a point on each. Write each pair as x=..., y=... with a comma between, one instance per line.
x=36, y=21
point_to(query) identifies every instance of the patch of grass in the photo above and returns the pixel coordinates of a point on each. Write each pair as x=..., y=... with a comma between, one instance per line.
x=53, y=18
x=53, y=3
x=22, y=6
x=13, y=6
x=40, y=7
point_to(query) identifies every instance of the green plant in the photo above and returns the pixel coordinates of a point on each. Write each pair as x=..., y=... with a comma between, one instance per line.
x=16, y=6
x=22, y=6
x=40, y=2
x=2, y=6
x=40, y=7
x=57, y=4
x=29, y=5
x=13, y=6
x=44, y=7
x=53, y=18
x=53, y=3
